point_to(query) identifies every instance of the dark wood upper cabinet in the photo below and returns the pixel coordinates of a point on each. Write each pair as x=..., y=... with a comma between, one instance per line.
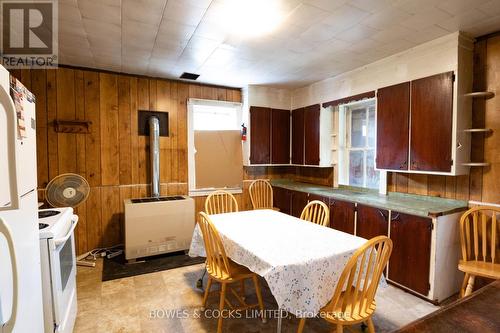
x=431, y=123
x=342, y=215
x=260, y=135
x=280, y=136
x=298, y=136
x=311, y=134
x=393, y=114
x=411, y=237
x=371, y=222
x=282, y=199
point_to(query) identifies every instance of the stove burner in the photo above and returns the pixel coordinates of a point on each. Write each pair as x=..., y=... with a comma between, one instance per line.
x=47, y=213
x=42, y=226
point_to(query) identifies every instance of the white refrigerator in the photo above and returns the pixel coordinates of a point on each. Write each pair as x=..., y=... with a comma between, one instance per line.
x=21, y=308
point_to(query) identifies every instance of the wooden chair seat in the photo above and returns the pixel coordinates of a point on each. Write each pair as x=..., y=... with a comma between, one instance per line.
x=238, y=272
x=481, y=268
x=356, y=307
x=479, y=234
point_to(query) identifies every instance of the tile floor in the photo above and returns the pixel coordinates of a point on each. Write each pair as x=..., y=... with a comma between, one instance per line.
x=126, y=305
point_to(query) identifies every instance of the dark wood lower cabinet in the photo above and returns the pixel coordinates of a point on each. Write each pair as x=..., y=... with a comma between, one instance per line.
x=282, y=199
x=299, y=201
x=409, y=264
x=371, y=222
x=342, y=215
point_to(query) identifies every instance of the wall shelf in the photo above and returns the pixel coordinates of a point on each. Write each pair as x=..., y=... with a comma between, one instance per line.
x=72, y=126
x=476, y=164
x=481, y=94
x=478, y=130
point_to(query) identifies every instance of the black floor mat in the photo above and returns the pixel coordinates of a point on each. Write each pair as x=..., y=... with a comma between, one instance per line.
x=117, y=267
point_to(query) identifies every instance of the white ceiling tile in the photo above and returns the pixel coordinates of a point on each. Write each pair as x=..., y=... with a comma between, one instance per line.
x=69, y=12
x=183, y=12
x=463, y=21
x=484, y=27
x=136, y=52
x=100, y=28
x=371, y=6
x=356, y=33
x=319, y=33
x=104, y=11
x=304, y=15
x=212, y=30
x=457, y=7
x=386, y=18
x=426, y=34
x=147, y=11
x=171, y=29
x=391, y=34
x=328, y=5
x=345, y=17
x=425, y=19
x=491, y=7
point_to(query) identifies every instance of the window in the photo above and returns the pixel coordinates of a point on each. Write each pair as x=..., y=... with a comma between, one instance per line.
x=215, y=117
x=357, y=128
x=214, y=146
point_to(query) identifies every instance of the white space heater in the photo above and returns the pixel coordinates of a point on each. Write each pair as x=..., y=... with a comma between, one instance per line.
x=158, y=225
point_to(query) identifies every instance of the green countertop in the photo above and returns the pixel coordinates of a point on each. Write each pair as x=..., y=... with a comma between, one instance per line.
x=405, y=203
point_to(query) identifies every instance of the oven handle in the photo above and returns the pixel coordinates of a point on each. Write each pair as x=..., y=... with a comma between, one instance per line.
x=59, y=241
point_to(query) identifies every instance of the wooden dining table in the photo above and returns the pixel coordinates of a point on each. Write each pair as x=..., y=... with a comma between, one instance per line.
x=300, y=261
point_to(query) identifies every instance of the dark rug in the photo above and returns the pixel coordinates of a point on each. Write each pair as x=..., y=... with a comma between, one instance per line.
x=117, y=267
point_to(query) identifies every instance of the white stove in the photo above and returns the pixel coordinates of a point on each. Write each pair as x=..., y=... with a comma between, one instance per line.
x=58, y=260
x=54, y=222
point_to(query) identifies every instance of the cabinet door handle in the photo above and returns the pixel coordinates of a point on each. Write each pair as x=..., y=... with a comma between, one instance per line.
x=403, y=166
x=395, y=218
x=414, y=166
x=382, y=214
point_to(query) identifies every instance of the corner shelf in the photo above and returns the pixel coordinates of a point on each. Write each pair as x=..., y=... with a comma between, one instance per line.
x=481, y=94
x=476, y=164
x=478, y=130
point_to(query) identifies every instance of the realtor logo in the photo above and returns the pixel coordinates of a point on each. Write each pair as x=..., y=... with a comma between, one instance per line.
x=29, y=33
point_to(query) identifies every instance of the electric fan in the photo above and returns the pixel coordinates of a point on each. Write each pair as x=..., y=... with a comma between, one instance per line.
x=67, y=190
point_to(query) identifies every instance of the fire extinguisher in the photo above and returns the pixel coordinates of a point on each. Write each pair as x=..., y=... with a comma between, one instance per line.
x=243, y=132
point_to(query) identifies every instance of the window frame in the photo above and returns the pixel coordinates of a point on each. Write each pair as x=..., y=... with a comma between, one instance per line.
x=191, y=102
x=345, y=138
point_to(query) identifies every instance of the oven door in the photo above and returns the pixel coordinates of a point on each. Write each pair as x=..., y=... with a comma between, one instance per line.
x=63, y=274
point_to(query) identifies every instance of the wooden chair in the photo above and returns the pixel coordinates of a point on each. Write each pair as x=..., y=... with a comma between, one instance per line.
x=219, y=202
x=479, y=237
x=223, y=270
x=316, y=212
x=261, y=194
x=353, y=301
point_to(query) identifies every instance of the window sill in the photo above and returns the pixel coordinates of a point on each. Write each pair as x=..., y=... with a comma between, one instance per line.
x=203, y=192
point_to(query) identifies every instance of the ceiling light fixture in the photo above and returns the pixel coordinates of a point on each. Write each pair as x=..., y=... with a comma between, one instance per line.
x=252, y=18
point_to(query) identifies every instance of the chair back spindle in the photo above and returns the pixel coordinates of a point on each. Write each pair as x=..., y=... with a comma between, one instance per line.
x=357, y=286
x=219, y=202
x=317, y=212
x=479, y=234
x=261, y=194
x=217, y=263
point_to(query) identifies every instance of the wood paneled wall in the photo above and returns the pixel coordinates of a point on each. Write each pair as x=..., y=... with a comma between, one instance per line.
x=112, y=157
x=482, y=184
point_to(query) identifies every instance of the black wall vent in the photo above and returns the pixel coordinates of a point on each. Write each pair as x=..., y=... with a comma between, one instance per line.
x=189, y=76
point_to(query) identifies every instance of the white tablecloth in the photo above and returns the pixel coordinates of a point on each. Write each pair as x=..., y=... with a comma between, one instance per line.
x=300, y=261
